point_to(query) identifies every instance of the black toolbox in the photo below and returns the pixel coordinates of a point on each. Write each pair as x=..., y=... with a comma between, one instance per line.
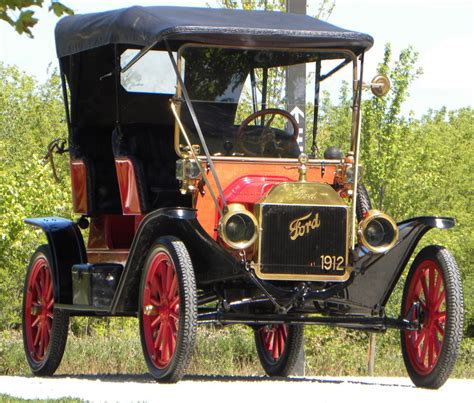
x=95, y=284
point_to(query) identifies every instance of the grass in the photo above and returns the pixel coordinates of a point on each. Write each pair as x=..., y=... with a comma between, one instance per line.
x=7, y=398
x=116, y=348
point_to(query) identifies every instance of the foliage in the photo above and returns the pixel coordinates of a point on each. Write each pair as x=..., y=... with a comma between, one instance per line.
x=20, y=14
x=412, y=167
x=324, y=8
x=31, y=115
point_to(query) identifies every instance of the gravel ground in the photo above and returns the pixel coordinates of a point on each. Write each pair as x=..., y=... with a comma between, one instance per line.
x=225, y=389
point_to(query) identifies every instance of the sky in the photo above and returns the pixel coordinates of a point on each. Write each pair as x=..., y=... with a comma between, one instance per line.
x=440, y=30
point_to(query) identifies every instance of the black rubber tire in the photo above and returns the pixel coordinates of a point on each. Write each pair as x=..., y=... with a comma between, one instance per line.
x=363, y=202
x=286, y=363
x=454, y=318
x=59, y=326
x=186, y=334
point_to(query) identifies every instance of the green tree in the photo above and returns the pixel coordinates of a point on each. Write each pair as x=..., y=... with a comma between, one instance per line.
x=20, y=14
x=31, y=115
x=324, y=8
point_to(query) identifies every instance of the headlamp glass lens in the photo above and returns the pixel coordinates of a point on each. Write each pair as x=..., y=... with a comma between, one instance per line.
x=239, y=228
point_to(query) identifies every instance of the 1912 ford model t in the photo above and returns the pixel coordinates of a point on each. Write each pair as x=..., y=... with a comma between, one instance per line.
x=201, y=207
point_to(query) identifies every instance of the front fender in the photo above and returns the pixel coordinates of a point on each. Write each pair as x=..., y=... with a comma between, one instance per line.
x=67, y=248
x=211, y=261
x=376, y=275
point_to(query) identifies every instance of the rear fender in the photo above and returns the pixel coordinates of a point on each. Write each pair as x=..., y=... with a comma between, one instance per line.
x=67, y=248
x=211, y=262
x=378, y=274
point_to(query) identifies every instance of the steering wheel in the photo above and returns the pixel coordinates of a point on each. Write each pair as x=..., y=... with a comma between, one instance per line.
x=267, y=142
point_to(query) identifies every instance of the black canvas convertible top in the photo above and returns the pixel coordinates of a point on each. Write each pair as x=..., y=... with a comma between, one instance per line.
x=143, y=26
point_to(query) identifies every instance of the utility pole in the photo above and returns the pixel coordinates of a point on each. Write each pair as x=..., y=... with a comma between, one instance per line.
x=296, y=81
x=296, y=105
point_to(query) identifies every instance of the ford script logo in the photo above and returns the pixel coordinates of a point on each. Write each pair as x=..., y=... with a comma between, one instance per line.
x=303, y=225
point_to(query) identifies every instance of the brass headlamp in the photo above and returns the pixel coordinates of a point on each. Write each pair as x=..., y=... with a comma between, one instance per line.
x=238, y=227
x=378, y=232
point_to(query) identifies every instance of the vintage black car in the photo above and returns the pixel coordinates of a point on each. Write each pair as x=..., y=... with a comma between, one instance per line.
x=200, y=206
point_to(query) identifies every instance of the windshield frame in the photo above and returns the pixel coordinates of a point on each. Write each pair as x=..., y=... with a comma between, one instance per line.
x=351, y=57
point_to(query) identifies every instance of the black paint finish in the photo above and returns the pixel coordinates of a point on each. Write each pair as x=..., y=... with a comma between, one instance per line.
x=211, y=261
x=67, y=248
x=378, y=274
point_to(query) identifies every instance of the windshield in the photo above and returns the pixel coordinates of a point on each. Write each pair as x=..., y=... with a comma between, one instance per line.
x=254, y=103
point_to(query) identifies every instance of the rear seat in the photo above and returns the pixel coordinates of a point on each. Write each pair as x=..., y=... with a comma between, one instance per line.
x=145, y=161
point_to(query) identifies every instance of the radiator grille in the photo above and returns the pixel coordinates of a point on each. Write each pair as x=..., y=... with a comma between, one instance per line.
x=294, y=237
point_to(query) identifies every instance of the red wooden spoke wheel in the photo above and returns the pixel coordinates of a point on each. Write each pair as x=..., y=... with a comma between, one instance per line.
x=39, y=309
x=161, y=309
x=168, y=310
x=44, y=329
x=279, y=347
x=427, y=288
x=273, y=339
x=434, y=284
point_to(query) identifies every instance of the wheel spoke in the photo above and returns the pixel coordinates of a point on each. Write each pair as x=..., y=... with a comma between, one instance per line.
x=270, y=340
x=169, y=278
x=174, y=302
x=165, y=351
x=440, y=317
x=173, y=289
x=173, y=339
x=158, y=338
x=425, y=287
x=155, y=302
x=152, y=286
x=162, y=281
x=419, y=339
x=281, y=341
x=48, y=325
x=424, y=349
x=155, y=322
x=276, y=347
x=439, y=329
x=49, y=290
x=174, y=316
x=37, y=289
x=38, y=335
x=431, y=279
x=40, y=281
x=35, y=322
x=440, y=300
x=47, y=333
x=430, y=350
x=437, y=287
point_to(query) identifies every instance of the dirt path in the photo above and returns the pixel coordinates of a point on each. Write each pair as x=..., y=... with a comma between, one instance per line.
x=225, y=389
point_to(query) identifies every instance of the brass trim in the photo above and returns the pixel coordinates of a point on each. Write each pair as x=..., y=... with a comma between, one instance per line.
x=380, y=85
x=347, y=52
x=192, y=151
x=371, y=215
x=299, y=277
x=304, y=193
x=233, y=209
x=311, y=163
